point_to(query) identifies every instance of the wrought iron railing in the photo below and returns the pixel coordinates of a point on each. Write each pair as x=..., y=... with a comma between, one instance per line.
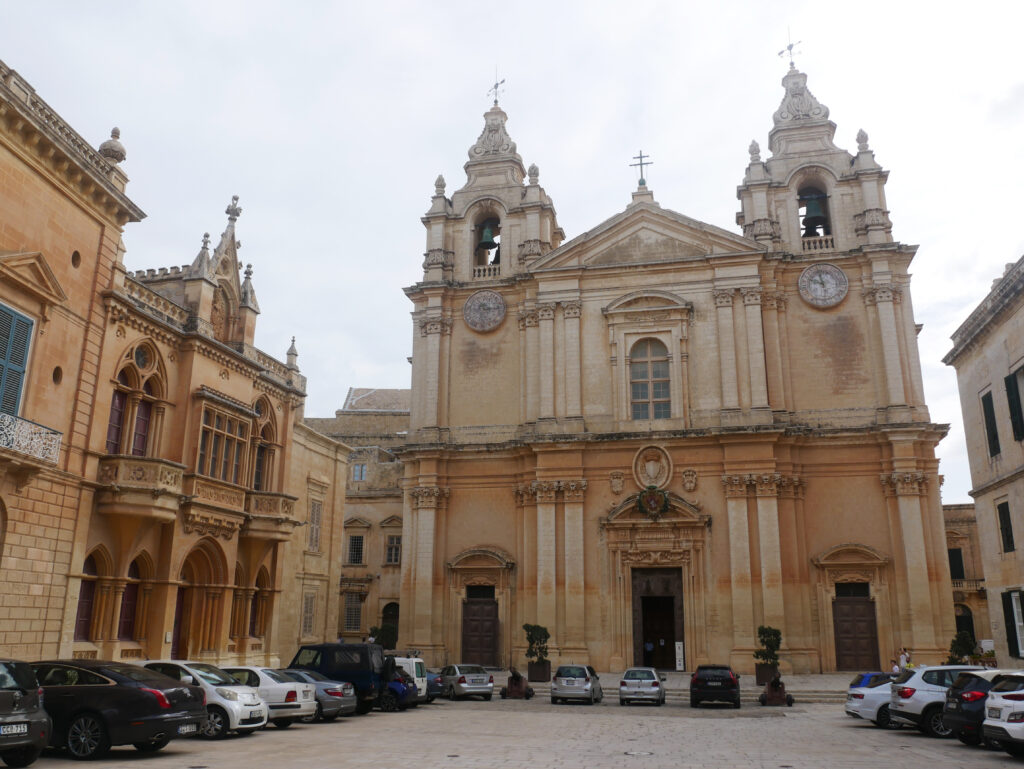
x=26, y=437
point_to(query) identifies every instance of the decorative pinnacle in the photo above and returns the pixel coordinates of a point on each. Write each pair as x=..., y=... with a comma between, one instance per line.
x=248, y=271
x=439, y=185
x=862, y=140
x=233, y=210
x=206, y=241
x=112, y=149
x=755, y=152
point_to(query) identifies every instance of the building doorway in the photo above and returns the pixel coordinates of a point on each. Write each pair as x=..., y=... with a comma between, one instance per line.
x=855, y=628
x=964, y=620
x=480, y=626
x=657, y=617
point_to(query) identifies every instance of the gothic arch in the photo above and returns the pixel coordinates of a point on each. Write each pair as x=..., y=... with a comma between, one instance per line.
x=102, y=559
x=205, y=564
x=146, y=565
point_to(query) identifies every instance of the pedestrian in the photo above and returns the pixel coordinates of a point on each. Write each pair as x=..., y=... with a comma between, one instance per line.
x=895, y=667
x=904, y=657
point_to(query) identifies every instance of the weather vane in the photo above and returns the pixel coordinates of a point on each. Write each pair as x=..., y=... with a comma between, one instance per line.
x=494, y=88
x=641, y=163
x=789, y=49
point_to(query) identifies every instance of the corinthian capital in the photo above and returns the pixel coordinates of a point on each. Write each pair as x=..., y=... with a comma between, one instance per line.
x=573, y=490
x=723, y=297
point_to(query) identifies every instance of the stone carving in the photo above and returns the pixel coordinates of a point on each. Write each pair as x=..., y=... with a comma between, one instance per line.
x=522, y=493
x=572, y=491
x=751, y=295
x=775, y=301
x=544, y=491
x=437, y=257
x=767, y=484
x=689, y=476
x=546, y=311
x=220, y=496
x=762, y=228
x=429, y=496
x=755, y=152
x=206, y=524
x=723, y=297
x=439, y=185
x=494, y=140
x=571, y=309
x=883, y=293
x=652, y=466
x=642, y=316
x=872, y=219
x=904, y=484
x=528, y=249
x=533, y=173
x=112, y=149
x=616, y=480
x=435, y=326
x=862, y=140
x=484, y=310
x=655, y=557
x=735, y=485
x=527, y=319
x=798, y=103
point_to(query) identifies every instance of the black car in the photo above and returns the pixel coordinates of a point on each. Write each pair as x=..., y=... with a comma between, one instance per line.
x=714, y=683
x=964, y=710
x=96, y=704
x=24, y=725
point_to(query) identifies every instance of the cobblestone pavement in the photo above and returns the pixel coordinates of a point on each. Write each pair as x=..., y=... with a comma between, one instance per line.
x=537, y=735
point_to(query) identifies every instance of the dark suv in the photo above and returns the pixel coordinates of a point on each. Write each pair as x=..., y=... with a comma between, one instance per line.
x=24, y=725
x=714, y=682
x=964, y=710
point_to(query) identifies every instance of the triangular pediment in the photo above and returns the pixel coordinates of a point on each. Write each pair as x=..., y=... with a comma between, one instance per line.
x=30, y=272
x=645, y=233
x=391, y=522
x=356, y=523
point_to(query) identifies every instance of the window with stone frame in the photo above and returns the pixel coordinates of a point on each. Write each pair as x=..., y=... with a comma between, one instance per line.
x=1014, y=384
x=133, y=404
x=1005, y=526
x=393, y=551
x=15, y=338
x=649, y=382
x=355, y=549
x=264, y=446
x=222, y=445
x=308, y=614
x=359, y=472
x=353, y=611
x=988, y=412
x=316, y=514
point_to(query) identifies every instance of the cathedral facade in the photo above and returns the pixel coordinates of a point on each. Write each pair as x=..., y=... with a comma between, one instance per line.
x=661, y=434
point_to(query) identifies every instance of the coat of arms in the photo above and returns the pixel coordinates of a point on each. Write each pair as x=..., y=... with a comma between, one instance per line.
x=653, y=502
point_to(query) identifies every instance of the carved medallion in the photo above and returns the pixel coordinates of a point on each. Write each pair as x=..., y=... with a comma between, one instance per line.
x=652, y=467
x=484, y=310
x=823, y=285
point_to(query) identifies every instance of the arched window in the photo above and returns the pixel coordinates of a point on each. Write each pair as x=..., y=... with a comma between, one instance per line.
x=133, y=404
x=263, y=449
x=86, y=596
x=649, y=391
x=118, y=402
x=129, y=604
x=814, y=218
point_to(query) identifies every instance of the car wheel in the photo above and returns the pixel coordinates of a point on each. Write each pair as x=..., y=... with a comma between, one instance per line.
x=282, y=723
x=592, y=699
x=318, y=716
x=989, y=744
x=487, y=697
x=388, y=703
x=883, y=719
x=87, y=737
x=1015, y=749
x=430, y=699
x=451, y=693
x=21, y=756
x=216, y=725
x=554, y=700
x=933, y=725
x=152, y=746
x=659, y=702
x=736, y=704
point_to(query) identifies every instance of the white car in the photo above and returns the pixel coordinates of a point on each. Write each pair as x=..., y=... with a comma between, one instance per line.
x=288, y=699
x=230, y=706
x=417, y=669
x=919, y=694
x=1004, y=714
x=872, y=700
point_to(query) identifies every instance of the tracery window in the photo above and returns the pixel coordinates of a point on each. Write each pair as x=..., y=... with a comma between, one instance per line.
x=649, y=383
x=134, y=404
x=86, y=597
x=222, y=445
x=129, y=604
x=263, y=446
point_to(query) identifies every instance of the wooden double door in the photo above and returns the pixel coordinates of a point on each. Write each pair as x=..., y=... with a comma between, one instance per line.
x=480, y=631
x=856, y=633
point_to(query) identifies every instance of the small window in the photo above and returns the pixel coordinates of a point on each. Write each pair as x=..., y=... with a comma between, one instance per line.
x=991, y=428
x=308, y=613
x=649, y=385
x=15, y=337
x=1013, y=399
x=393, y=554
x=852, y=590
x=355, y=549
x=359, y=472
x=316, y=508
x=353, y=611
x=1005, y=526
x=956, y=563
x=480, y=592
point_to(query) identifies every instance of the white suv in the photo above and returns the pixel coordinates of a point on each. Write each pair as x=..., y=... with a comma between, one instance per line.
x=919, y=694
x=1004, y=714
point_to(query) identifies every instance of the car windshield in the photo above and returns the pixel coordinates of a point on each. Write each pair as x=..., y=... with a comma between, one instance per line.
x=858, y=680
x=881, y=680
x=639, y=675
x=1009, y=684
x=903, y=677
x=212, y=675
x=17, y=675
x=471, y=670
x=276, y=676
x=572, y=671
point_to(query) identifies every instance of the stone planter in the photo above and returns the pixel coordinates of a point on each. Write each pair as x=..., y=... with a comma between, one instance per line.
x=538, y=671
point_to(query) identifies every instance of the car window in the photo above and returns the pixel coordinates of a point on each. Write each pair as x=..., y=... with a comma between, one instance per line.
x=277, y=676
x=572, y=671
x=212, y=675
x=471, y=670
x=1009, y=684
x=421, y=670
x=310, y=657
x=593, y=673
x=935, y=677
x=349, y=658
x=882, y=680
x=17, y=675
x=312, y=675
x=639, y=675
x=903, y=677
x=173, y=671
x=964, y=680
x=243, y=677
x=131, y=672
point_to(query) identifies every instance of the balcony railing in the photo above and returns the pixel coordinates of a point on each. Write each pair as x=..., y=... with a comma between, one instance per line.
x=28, y=438
x=968, y=584
x=487, y=271
x=824, y=243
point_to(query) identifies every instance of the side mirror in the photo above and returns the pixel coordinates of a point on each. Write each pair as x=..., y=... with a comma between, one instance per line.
x=187, y=679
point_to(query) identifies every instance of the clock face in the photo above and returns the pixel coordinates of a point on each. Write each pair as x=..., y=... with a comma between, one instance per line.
x=823, y=285
x=484, y=310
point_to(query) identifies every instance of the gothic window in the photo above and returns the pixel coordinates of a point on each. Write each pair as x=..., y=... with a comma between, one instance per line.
x=143, y=414
x=129, y=604
x=649, y=385
x=133, y=404
x=991, y=428
x=115, y=424
x=355, y=549
x=393, y=553
x=86, y=596
x=15, y=336
x=222, y=443
x=264, y=447
x=316, y=512
x=813, y=206
x=353, y=611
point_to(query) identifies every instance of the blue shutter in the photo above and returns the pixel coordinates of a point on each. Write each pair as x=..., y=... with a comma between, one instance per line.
x=15, y=335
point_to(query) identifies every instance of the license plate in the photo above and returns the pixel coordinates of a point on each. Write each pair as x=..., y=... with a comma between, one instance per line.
x=187, y=728
x=569, y=681
x=14, y=729
x=478, y=680
x=255, y=714
x=994, y=712
x=714, y=683
x=305, y=695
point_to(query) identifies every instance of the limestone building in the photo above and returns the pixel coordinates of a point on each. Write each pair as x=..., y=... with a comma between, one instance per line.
x=665, y=432
x=160, y=495
x=988, y=355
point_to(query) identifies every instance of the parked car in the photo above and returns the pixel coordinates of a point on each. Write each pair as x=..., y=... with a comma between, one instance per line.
x=362, y=665
x=288, y=700
x=400, y=691
x=964, y=710
x=333, y=698
x=466, y=680
x=25, y=726
x=714, y=683
x=1004, y=714
x=416, y=668
x=918, y=694
x=576, y=682
x=642, y=685
x=96, y=704
x=869, y=697
x=230, y=706
x=434, y=687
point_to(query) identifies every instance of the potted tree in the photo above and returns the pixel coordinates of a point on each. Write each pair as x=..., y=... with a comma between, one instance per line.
x=538, y=667
x=767, y=656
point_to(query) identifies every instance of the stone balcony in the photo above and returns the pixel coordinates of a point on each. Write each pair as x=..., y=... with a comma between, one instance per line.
x=822, y=243
x=269, y=516
x=487, y=271
x=969, y=585
x=26, y=448
x=144, y=487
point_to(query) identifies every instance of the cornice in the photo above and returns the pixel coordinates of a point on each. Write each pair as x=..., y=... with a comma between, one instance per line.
x=1006, y=296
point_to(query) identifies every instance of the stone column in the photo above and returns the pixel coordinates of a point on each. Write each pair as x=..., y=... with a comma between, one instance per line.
x=546, y=317
x=131, y=412
x=883, y=297
x=529, y=323
x=547, y=614
x=432, y=329
x=426, y=500
x=573, y=361
x=727, y=349
x=573, y=565
x=116, y=597
x=771, y=550
x=755, y=348
x=739, y=560
x=908, y=488
x=156, y=431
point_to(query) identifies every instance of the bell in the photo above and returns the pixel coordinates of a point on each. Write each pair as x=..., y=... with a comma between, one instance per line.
x=814, y=216
x=487, y=241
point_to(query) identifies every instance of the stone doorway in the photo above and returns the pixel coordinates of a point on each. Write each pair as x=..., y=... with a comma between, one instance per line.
x=855, y=628
x=657, y=616
x=480, y=626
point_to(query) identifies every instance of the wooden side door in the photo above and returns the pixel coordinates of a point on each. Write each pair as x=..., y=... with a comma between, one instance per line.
x=480, y=632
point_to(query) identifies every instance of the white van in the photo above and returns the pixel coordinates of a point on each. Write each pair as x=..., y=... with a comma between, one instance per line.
x=415, y=667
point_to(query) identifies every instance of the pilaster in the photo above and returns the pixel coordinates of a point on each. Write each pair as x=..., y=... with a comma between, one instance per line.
x=573, y=566
x=573, y=363
x=882, y=297
x=727, y=348
x=544, y=492
x=426, y=501
x=739, y=560
x=755, y=348
x=546, y=318
x=767, y=489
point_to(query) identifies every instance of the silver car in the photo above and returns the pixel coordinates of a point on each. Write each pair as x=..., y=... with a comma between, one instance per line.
x=466, y=680
x=333, y=698
x=576, y=682
x=642, y=685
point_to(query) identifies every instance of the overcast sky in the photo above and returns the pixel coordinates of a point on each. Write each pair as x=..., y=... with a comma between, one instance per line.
x=331, y=121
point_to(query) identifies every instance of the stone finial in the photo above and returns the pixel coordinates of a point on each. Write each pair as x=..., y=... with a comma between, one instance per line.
x=799, y=103
x=439, y=185
x=293, y=355
x=205, y=248
x=248, y=272
x=862, y=140
x=494, y=140
x=533, y=172
x=248, y=292
x=233, y=210
x=112, y=149
x=755, y=152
